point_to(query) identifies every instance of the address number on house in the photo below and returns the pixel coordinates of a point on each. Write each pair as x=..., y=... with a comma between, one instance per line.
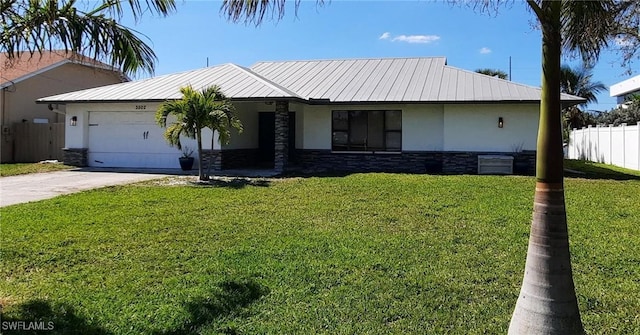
x=138, y=107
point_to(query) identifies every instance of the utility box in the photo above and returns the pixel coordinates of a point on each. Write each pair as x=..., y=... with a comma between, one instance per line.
x=495, y=164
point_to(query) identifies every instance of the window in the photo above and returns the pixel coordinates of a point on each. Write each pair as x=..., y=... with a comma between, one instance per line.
x=357, y=130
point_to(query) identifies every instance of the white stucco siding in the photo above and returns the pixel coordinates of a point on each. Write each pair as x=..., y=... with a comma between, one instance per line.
x=475, y=127
x=422, y=127
x=317, y=128
x=247, y=113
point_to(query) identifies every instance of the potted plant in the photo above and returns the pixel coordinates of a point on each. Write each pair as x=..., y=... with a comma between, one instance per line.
x=186, y=161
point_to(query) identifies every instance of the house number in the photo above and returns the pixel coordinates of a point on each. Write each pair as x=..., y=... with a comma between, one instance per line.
x=141, y=107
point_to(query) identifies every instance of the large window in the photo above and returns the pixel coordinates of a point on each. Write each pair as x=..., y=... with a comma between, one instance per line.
x=358, y=130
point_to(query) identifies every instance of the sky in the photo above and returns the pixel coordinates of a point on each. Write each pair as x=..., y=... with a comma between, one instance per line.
x=198, y=34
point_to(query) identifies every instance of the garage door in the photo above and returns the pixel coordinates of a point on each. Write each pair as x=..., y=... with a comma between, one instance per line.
x=129, y=139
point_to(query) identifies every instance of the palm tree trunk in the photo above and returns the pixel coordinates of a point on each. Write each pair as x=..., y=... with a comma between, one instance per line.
x=547, y=302
x=211, y=155
x=199, y=140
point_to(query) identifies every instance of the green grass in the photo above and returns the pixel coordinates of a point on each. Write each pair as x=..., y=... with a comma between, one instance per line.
x=593, y=170
x=360, y=254
x=7, y=169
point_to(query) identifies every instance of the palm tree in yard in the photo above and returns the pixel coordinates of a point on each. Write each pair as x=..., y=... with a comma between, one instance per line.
x=32, y=27
x=578, y=81
x=547, y=302
x=208, y=108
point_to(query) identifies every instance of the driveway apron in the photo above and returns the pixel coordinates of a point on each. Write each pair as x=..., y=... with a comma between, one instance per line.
x=39, y=186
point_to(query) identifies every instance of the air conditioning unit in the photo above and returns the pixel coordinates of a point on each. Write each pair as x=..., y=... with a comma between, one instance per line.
x=495, y=164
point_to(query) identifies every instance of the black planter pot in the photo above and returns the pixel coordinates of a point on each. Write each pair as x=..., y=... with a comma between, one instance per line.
x=186, y=163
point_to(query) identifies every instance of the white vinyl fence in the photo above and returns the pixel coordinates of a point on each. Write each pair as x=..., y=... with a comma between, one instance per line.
x=618, y=146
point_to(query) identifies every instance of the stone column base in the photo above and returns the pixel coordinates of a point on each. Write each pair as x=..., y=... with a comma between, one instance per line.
x=75, y=156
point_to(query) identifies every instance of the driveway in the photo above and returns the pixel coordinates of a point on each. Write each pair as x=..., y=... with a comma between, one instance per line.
x=39, y=186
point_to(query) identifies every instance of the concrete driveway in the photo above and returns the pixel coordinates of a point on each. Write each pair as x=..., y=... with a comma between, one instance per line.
x=39, y=186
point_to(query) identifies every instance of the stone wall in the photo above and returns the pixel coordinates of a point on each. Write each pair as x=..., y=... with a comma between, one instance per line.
x=239, y=158
x=217, y=159
x=407, y=161
x=75, y=156
x=282, y=136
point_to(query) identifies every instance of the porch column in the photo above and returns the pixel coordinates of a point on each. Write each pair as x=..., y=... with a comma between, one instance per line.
x=282, y=136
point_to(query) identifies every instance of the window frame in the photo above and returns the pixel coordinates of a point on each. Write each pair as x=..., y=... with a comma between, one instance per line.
x=351, y=148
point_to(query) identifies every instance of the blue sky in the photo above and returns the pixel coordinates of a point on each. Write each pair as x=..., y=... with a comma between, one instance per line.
x=468, y=38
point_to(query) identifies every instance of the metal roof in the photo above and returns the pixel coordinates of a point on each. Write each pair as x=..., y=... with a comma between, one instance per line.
x=235, y=81
x=393, y=80
x=387, y=80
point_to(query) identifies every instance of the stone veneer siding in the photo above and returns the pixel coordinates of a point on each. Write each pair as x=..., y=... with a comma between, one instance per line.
x=406, y=161
x=217, y=159
x=75, y=156
x=239, y=158
x=282, y=136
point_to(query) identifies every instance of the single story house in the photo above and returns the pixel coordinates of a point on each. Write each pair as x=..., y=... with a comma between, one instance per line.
x=393, y=114
x=33, y=132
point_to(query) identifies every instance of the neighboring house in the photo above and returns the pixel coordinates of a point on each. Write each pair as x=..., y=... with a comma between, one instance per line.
x=33, y=132
x=399, y=114
x=625, y=89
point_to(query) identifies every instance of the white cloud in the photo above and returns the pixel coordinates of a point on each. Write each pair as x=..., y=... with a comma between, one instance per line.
x=384, y=36
x=416, y=38
x=485, y=51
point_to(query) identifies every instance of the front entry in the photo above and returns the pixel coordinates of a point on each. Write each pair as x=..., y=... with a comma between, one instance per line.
x=267, y=138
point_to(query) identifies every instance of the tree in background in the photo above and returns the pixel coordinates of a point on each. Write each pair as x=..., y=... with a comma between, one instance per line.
x=578, y=81
x=33, y=26
x=197, y=110
x=547, y=302
x=493, y=73
x=628, y=113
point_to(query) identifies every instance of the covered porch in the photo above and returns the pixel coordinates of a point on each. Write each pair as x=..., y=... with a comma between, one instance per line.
x=269, y=140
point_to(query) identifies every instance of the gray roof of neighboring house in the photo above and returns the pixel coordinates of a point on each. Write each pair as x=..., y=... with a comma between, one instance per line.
x=388, y=80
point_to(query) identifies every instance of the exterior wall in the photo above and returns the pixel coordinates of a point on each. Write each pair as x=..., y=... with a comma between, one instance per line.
x=247, y=112
x=475, y=127
x=407, y=162
x=19, y=100
x=316, y=133
x=422, y=127
x=436, y=138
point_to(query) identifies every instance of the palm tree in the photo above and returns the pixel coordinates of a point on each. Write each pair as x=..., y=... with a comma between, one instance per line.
x=578, y=81
x=35, y=26
x=493, y=73
x=208, y=108
x=547, y=302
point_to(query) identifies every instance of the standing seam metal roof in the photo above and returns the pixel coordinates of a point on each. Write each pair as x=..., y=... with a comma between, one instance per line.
x=235, y=81
x=380, y=80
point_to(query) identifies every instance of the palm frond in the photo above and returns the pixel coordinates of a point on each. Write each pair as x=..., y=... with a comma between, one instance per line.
x=36, y=26
x=587, y=26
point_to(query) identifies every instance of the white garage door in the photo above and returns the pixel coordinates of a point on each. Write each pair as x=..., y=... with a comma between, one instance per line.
x=129, y=139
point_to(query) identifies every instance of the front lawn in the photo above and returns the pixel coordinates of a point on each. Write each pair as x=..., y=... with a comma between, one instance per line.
x=361, y=254
x=12, y=169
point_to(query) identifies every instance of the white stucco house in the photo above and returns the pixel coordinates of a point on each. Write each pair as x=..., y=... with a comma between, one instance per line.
x=623, y=90
x=395, y=114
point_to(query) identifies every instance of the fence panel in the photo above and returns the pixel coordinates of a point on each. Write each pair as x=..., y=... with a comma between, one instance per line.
x=35, y=142
x=618, y=146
